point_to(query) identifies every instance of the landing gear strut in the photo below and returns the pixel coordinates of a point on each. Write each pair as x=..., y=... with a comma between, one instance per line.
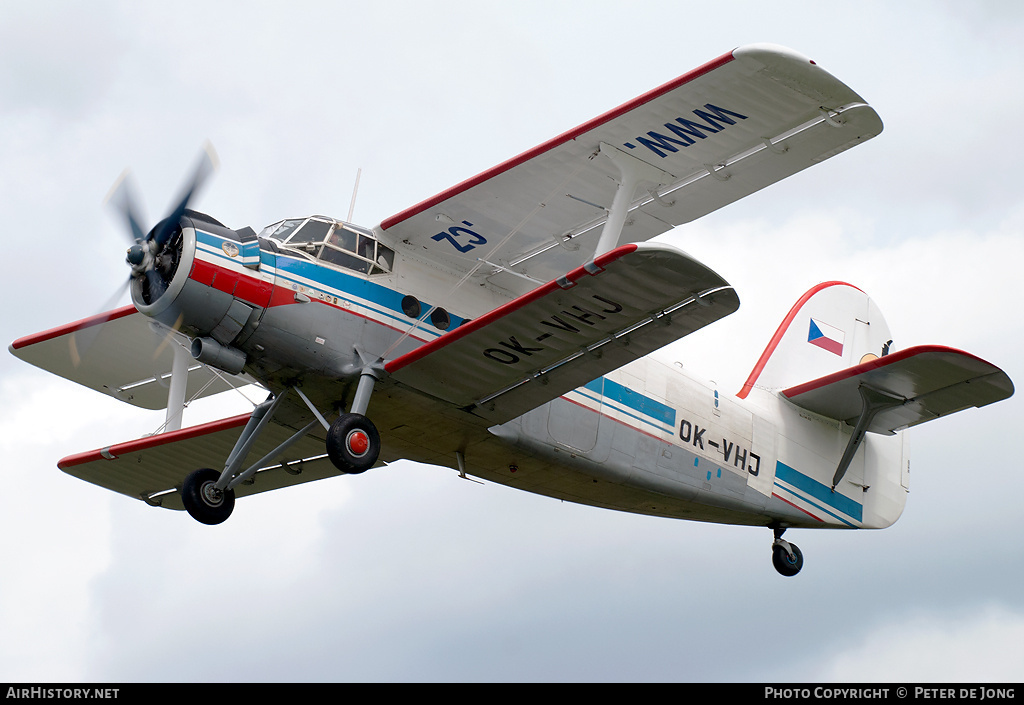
x=786, y=557
x=353, y=445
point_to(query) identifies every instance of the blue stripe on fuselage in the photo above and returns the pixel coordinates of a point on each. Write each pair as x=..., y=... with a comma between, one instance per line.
x=341, y=284
x=664, y=416
x=818, y=494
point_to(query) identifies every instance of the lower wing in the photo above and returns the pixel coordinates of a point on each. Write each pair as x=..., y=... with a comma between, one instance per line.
x=597, y=318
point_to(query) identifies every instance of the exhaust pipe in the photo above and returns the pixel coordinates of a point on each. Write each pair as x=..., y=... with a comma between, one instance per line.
x=210, y=352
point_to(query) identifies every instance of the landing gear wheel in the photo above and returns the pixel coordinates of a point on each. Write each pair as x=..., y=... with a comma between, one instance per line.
x=784, y=563
x=353, y=443
x=203, y=500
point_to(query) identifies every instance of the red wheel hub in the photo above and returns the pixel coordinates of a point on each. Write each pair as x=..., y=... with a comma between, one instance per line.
x=358, y=442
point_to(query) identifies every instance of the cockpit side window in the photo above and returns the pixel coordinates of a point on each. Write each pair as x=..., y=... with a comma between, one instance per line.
x=334, y=242
x=343, y=239
x=282, y=230
x=358, y=251
x=312, y=231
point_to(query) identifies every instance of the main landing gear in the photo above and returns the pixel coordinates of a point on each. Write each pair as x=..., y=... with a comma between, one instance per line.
x=202, y=499
x=353, y=445
x=786, y=557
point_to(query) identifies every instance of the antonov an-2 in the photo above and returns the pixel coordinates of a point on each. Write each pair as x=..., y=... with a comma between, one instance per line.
x=502, y=328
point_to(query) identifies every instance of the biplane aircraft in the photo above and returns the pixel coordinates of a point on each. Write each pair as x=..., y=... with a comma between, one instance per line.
x=503, y=328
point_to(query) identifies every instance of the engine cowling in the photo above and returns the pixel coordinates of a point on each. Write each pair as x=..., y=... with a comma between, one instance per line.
x=205, y=281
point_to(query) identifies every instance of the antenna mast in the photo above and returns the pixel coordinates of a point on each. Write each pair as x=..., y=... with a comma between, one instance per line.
x=355, y=189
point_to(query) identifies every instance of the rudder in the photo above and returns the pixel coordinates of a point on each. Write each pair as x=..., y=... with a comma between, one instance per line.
x=833, y=326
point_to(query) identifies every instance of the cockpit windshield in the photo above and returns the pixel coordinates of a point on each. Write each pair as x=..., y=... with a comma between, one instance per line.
x=340, y=244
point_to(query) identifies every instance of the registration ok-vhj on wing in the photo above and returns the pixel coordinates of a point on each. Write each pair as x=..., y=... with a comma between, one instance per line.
x=503, y=329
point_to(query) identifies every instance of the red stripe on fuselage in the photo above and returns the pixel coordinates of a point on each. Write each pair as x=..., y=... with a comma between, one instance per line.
x=612, y=418
x=266, y=295
x=250, y=289
x=783, y=499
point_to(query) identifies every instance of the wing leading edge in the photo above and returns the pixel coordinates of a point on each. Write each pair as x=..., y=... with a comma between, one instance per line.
x=721, y=132
x=152, y=469
x=123, y=354
x=909, y=387
x=597, y=318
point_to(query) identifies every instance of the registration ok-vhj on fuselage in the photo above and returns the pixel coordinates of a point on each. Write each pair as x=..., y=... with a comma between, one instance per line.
x=504, y=327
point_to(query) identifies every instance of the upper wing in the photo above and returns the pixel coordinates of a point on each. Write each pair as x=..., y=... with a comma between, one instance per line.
x=121, y=353
x=568, y=332
x=923, y=382
x=152, y=469
x=735, y=125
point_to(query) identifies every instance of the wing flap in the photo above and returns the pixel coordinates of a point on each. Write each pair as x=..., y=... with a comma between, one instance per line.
x=123, y=354
x=152, y=469
x=725, y=130
x=568, y=332
x=927, y=381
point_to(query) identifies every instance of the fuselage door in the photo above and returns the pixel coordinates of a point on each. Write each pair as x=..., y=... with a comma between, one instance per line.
x=761, y=460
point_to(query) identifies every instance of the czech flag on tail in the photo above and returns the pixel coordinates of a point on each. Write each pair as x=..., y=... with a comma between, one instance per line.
x=826, y=337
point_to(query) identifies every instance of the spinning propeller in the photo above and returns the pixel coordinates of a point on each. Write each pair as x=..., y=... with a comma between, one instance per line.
x=153, y=256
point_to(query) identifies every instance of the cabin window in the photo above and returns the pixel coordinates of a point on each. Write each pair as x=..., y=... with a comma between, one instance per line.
x=334, y=242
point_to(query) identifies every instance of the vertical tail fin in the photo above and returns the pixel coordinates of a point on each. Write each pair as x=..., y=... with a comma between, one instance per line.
x=831, y=327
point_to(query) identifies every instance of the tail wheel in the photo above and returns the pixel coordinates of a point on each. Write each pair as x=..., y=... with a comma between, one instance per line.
x=353, y=443
x=787, y=565
x=202, y=499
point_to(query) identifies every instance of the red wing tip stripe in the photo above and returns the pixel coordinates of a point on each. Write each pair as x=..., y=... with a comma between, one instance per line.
x=515, y=304
x=72, y=327
x=114, y=451
x=556, y=141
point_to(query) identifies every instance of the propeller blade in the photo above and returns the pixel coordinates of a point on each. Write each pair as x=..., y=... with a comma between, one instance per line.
x=122, y=197
x=81, y=341
x=206, y=166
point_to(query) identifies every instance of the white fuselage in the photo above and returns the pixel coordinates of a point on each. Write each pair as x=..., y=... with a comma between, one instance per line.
x=645, y=438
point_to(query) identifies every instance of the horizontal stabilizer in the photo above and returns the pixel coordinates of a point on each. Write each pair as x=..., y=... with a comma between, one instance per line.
x=597, y=318
x=917, y=385
x=152, y=469
x=124, y=354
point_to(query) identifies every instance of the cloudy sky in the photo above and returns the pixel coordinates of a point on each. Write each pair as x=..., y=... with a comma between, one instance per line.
x=409, y=573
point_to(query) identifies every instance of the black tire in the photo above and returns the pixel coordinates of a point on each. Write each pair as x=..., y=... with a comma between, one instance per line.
x=203, y=501
x=353, y=443
x=784, y=564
